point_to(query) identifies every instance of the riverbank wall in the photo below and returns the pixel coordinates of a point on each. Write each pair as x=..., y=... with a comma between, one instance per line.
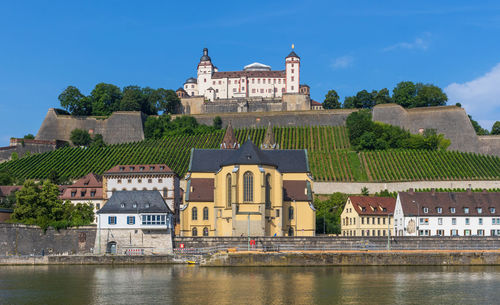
x=282, y=259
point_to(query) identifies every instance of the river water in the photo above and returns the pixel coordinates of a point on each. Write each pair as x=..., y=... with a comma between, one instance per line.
x=166, y=284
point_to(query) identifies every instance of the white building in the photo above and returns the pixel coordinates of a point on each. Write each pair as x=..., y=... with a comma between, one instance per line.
x=255, y=80
x=134, y=222
x=155, y=177
x=447, y=214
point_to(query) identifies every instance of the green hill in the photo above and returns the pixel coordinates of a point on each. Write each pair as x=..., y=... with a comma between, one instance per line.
x=328, y=151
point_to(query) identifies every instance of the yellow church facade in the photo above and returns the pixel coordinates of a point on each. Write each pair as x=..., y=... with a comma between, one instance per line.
x=247, y=191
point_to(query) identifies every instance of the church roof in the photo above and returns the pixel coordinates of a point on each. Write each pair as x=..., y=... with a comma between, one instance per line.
x=229, y=141
x=292, y=54
x=286, y=161
x=205, y=56
x=191, y=80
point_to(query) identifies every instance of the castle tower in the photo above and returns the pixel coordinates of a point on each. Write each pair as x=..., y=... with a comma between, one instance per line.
x=205, y=71
x=229, y=141
x=292, y=70
x=269, y=141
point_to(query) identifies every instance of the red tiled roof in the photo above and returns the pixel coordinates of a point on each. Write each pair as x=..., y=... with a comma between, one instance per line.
x=365, y=205
x=411, y=202
x=83, y=188
x=90, y=180
x=201, y=189
x=314, y=103
x=139, y=168
x=295, y=190
x=6, y=190
x=236, y=74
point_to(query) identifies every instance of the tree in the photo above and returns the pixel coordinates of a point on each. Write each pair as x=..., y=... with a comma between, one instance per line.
x=357, y=124
x=349, y=102
x=29, y=136
x=6, y=178
x=105, y=99
x=166, y=101
x=75, y=102
x=132, y=99
x=479, y=130
x=382, y=97
x=217, y=122
x=331, y=100
x=495, y=130
x=429, y=95
x=365, y=99
x=364, y=191
x=40, y=205
x=328, y=213
x=80, y=137
x=404, y=94
x=97, y=141
x=14, y=156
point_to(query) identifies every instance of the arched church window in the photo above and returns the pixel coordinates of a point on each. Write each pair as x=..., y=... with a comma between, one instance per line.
x=248, y=187
x=194, y=214
x=268, y=191
x=228, y=190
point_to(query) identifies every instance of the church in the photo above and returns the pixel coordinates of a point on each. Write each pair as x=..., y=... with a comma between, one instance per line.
x=244, y=190
x=255, y=88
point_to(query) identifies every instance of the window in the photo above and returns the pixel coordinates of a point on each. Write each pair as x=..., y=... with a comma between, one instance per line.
x=493, y=221
x=253, y=90
x=292, y=78
x=268, y=191
x=480, y=232
x=248, y=187
x=479, y=210
x=153, y=219
x=122, y=168
x=122, y=205
x=261, y=90
x=131, y=220
x=194, y=232
x=424, y=221
x=293, y=70
x=367, y=232
x=277, y=213
x=466, y=232
x=97, y=206
x=453, y=221
x=134, y=205
x=92, y=193
x=466, y=210
x=290, y=213
x=264, y=81
x=165, y=192
x=228, y=190
x=205, y=213
x=292, y=87
x=234, y=89
x=467, y=221
x=378, y=220
x=439, y=210
x=119, y=181
x=242, y=88
x=290, y=231
x=439, y=232
x=480, y=221
x=131, y=168
x=454, y=232
x=112, y=220
x=373, y=220
x=150, y=180
x=151, y=168
x=492, y=210
x=452, y=210
x=383, y=221
x=426, y=210
x=139, y=180
x=205, y=231
x=362, y=220
x=440, y=221
x=129, y=181
x=194, y=213
x=73, y=194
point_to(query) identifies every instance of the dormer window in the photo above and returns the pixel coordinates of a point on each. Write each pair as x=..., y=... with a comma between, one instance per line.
x=151, y=168
x=146, y=205
x=122, y=205
x=73, y=194
x=92, y=194
x=492, y=210
x=452, y=210
x=131, y=168
x=479, y=210
x=141, y=168
x=439, y=210
x=134, y=205
x=426, y=210
x=162, y=167
x=82, y=194
x=466, y=210
x=122, y=168
x=384, y=209
x=86, y=183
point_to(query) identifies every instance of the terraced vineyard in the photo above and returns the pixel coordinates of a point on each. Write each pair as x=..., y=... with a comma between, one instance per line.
x=328, y=150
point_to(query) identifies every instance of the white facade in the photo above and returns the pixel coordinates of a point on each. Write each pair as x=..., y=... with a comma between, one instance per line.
x=482, y=221
x=255, y=80
x=146, y=221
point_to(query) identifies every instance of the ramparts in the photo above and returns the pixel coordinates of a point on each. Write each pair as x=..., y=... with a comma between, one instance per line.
x=120, y=127
x=23, y=146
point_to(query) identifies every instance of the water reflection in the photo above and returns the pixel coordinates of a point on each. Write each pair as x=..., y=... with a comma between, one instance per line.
x=153, y=284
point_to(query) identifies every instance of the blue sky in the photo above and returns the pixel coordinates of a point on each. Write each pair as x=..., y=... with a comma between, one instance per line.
x=344, y=45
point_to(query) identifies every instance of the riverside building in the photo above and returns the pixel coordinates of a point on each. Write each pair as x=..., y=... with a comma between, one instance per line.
x=247, y=191
x=87, y=189
x=447, y=213
x=368, y=216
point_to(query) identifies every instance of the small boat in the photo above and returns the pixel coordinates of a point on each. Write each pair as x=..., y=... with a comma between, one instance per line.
x=191, y=262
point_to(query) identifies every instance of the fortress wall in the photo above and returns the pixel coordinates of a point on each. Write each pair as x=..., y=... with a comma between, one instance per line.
x=120, y=127
x=451, y=121
x=489, y=145
x=290, y=118
x=21, y=150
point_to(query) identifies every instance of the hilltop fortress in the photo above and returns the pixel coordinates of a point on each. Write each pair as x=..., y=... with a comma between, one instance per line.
x=122, y=127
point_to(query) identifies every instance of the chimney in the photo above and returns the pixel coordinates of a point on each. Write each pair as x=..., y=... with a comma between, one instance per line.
x=411, y=191
x=433, y=191
x=469, y=190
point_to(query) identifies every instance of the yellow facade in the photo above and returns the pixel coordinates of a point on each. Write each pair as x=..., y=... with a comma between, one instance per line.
x=373, y=221
x=262, y=211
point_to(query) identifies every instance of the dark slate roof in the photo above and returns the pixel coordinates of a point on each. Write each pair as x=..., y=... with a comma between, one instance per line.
x=447, y=200
x=147, y=202
x=191, y=80
x=286, y=161
x=292, y=54
x=296, y=190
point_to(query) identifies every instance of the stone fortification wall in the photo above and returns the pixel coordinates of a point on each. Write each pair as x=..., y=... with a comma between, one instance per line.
x=335, y=117
x=120, y=127
x=23, y=146
x=16, y=239
x=150, y=241
x=234, y=105
x=451, y=121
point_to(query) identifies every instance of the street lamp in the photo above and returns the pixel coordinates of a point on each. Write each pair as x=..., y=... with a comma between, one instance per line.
x=418, y=217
